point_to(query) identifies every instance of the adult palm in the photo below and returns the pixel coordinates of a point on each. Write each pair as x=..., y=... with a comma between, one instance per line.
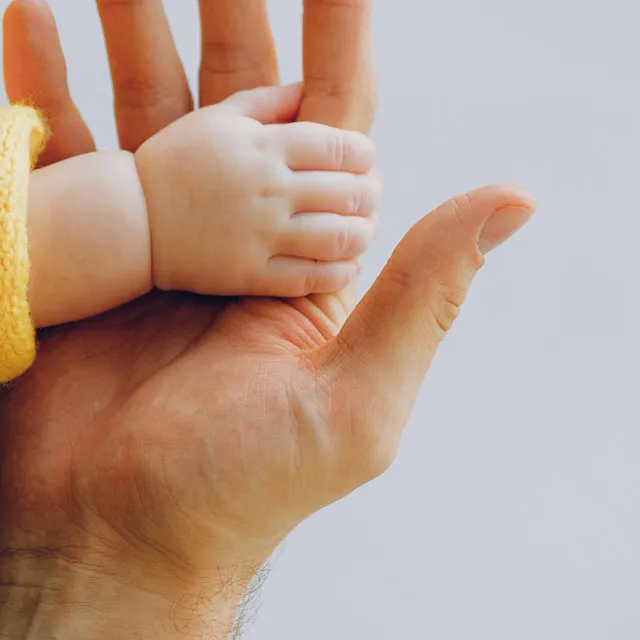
x=189, y=434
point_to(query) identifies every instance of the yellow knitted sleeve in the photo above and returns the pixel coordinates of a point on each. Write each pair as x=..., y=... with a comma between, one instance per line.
x=22, y=136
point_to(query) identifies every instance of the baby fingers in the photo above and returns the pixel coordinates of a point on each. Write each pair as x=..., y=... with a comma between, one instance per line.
x=289, y=277
x=326, y=236
x=308, y=146
x=336, y=192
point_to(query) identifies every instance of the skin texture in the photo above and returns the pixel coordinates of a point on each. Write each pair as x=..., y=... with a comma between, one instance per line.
x=241, y=205
x=160, y=453
x=233, y=199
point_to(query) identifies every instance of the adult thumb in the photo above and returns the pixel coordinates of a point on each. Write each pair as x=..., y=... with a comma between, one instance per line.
x=386, y=346
x=268, y=105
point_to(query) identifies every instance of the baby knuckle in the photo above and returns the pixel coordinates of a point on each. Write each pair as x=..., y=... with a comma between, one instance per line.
x=336, y=150
x=276, y=182
x=341, y=241
x=309, y=282
x=356, y=198
x=269, y=190
x=263, y=140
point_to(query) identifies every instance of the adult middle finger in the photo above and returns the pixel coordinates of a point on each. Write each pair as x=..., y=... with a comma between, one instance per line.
x=149, y=83
x=238, y=52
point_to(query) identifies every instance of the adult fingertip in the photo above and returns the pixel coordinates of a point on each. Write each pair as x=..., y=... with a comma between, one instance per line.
x=507, y=218
x=28, y=15
x=34, y=65
x=20, y=5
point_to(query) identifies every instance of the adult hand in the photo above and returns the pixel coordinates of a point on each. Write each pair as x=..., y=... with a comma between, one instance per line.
x=154, y=457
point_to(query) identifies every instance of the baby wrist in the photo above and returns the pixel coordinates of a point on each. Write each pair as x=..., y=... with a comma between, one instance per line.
x=155, y=173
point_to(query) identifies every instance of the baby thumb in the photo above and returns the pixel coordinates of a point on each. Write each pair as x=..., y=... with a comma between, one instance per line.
x=268, y=105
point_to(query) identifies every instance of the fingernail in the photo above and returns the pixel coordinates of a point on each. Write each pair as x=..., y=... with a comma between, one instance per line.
x=502, y=225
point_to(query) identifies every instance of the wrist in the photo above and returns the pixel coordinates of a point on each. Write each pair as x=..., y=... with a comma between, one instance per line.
x=88, y=236
x=156, y=166
x=170, y=168
x=43, y=595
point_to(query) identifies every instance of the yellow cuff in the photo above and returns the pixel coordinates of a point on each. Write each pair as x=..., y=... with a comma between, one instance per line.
x=22, y=136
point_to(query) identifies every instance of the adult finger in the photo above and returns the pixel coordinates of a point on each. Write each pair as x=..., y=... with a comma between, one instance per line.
x=339, y=70
x=238, y=52
x=149, y=83
x=339, y=76
x=392, y=336
x=35, y=73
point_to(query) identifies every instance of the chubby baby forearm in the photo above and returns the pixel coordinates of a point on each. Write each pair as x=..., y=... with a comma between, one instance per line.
x=89, y=239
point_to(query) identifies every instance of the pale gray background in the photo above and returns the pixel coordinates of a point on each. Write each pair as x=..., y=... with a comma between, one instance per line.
x=513, y=511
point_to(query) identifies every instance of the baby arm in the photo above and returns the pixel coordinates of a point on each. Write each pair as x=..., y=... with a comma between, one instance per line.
x=218, y=203
x=89, y=240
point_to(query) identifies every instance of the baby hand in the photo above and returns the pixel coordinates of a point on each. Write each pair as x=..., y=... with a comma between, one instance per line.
x=240, y=204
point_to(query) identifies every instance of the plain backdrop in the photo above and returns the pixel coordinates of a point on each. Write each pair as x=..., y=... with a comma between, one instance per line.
x=513, y=510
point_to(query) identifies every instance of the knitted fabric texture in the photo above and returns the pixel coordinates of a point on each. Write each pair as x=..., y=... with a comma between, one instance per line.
x=22, y=136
